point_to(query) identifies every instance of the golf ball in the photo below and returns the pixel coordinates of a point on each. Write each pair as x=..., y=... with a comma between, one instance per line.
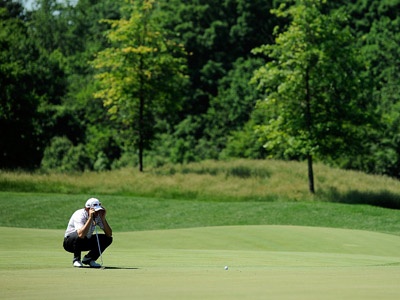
x=226, y=268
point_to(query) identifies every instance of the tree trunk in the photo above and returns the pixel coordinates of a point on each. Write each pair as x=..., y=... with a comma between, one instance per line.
x=141, y=115
x=141, y=109
x=310, y=174
x=310, y=133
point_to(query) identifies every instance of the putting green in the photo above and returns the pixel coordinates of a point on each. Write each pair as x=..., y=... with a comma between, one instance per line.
x=277, y=262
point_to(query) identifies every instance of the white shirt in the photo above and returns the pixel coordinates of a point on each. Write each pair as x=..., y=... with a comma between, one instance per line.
x=79, y=219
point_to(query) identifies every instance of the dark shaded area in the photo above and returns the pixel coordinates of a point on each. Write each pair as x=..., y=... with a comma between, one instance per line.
x=120, y=268
x=110, y=268
x=383, y=198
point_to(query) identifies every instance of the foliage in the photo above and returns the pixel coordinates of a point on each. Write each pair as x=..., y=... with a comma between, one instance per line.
x=247, y=142
x=312, y=85
x=382, y=54
x=47, y=83
x=219, y=37
x=71, y=35
x=140, y=74
x=25, y=85
x=230, y=110
x=63, y=156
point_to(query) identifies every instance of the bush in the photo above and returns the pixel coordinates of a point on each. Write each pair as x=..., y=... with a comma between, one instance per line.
x=102, y=162
x=62, y=155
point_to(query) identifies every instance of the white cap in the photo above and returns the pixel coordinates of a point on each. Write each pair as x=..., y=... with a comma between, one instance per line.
x=94, y=203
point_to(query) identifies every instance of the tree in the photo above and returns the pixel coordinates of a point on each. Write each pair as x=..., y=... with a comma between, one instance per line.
x=219, y=36
x=311, y=85
x=70, y=35
x=231, y=109
x=141, y=73
x=382, y=53
x=87, y=120
x=216, y=34
x=24, y=80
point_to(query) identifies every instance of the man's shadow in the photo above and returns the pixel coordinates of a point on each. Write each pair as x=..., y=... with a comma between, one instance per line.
x=119, y=268
x=110, y=268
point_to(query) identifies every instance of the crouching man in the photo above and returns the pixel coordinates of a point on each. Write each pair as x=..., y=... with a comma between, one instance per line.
x=79, y=234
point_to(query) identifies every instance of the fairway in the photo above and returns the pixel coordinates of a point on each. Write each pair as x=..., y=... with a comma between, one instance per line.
x=265, y=262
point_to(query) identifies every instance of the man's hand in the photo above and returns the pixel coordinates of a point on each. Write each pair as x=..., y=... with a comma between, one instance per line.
x=102, y=213
x=82, y=232
x=92, y=213
x=107, y=229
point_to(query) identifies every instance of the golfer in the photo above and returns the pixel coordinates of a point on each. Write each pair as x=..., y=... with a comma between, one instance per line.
x=79, y=234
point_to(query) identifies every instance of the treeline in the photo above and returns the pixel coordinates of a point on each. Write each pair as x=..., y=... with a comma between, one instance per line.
x=102, y=84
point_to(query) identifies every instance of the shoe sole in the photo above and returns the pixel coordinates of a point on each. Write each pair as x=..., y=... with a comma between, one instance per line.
x=88, y=264
x=77, y=266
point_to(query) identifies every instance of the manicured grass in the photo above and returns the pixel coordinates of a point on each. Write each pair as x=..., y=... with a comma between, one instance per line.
x=265, y=262
x=52, y=211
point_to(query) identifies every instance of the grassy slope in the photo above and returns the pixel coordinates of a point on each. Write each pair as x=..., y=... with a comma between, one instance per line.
x=277, y=262
x=240, y=180
x=126, y=213
x=205, y=194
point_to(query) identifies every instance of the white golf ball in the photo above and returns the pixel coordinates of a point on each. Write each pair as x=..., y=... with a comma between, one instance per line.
x=226, y=267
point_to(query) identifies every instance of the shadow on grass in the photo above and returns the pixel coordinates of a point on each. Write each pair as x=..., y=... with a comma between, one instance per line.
x=110, y=268
x=119, y=268
x=383, y=199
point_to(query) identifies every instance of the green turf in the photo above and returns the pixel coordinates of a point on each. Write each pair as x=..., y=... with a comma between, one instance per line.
x=265, y=262
x=277, y=240
x=52, y=211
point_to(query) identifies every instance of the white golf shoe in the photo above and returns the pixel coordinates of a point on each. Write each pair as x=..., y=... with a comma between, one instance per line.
x=77, y=264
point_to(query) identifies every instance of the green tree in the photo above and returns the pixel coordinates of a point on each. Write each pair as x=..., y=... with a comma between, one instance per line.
x=25, y=81
x=85, y=117
x=216, y=34
x=382, y=53
x=219, y=36
x=231, y=109
x=141, y=73
x=312, y=86
x=69, y=36
x=49, y=30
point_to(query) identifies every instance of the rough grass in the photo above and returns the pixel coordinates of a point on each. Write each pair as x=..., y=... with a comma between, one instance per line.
x=238, y=180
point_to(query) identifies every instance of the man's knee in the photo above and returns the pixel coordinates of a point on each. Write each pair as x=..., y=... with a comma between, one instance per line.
x=109, y=240
x=105, y=240
x=69, y=244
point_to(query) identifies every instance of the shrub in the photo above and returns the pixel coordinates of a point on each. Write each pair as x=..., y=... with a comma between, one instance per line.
x=62, y=155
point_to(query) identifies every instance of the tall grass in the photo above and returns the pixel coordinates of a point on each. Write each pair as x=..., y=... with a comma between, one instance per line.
x=240, y=192
x=238, y=180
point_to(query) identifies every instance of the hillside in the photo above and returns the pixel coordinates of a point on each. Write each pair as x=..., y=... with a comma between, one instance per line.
x=206, y=194
x=236, y=180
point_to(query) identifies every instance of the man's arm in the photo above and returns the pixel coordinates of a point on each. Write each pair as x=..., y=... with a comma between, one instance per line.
x=107, y=229
x=82, y=232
